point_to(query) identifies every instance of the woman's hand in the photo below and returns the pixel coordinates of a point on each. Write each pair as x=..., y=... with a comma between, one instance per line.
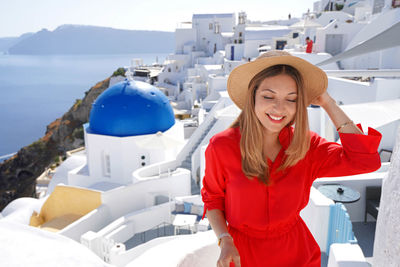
x=336, y=114
x=228, y=254
x=323, y=100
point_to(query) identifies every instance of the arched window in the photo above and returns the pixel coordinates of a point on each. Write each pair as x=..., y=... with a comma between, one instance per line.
x=106, y=164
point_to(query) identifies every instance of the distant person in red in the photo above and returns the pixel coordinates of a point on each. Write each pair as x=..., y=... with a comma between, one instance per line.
x=309, y=45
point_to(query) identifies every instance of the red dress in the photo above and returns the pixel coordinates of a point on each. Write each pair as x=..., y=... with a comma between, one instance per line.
x=309, y=46
x=265, y=221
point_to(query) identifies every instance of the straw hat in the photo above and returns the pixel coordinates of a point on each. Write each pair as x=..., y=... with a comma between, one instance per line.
x=314, y=79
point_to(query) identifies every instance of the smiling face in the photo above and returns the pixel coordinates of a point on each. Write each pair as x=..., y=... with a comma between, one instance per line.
x=275, y=103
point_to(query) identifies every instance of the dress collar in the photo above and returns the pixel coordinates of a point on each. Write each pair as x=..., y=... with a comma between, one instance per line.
x=286, y=136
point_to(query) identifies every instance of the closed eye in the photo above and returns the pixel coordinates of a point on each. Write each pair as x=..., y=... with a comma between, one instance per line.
x=267, y=97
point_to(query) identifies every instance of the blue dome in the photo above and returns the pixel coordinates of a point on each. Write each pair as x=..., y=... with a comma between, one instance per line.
x=131, y=108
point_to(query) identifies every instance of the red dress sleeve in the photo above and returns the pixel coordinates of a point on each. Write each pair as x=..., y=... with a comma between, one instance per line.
x=213, y=191
x=357, y=154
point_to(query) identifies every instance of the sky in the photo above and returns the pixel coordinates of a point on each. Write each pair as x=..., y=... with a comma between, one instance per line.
x=22, y=16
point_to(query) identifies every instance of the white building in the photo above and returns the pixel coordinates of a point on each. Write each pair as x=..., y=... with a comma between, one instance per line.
x=135, y=172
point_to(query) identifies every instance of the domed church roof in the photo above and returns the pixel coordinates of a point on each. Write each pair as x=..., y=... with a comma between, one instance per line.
x=131, y=108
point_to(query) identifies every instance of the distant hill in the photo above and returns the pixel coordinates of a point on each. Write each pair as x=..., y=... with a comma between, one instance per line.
x=78, y=39
x=7, y=42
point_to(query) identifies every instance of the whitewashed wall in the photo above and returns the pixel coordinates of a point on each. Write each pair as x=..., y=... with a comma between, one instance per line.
x=125, y=156
x=206, y=38
x=389, y=132
x=217, y=83
x=93, y=221
x=387, y=235
x=142, y=194
x=183, y=37
x=238, y=52
x=351, y=92
x=315, y=58
x=229, y=65
x=387, y=89
x=328, y=17
x=83, y=180
x=316, y=217
x=348, y=30
x=372, y=60
x=251, y=47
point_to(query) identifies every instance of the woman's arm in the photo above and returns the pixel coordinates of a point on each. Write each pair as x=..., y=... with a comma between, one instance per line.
x=357, y=152
x=213, y=195
x=336, y=114
x=228, y=250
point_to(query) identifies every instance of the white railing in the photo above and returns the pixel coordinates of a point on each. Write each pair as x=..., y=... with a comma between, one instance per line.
x=159, y=169
x=196, y=250
x=143, y=192
x=108, y=242
x=73, y=151
x=364, y=73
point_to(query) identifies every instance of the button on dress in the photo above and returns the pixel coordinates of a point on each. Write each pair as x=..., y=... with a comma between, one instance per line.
x=265, y=221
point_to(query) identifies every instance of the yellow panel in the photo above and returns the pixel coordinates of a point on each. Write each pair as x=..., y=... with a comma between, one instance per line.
x=36, y=220
x=59, y=223
x=65, y=205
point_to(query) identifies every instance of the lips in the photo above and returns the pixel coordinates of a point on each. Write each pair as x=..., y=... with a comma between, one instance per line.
x=275, y=119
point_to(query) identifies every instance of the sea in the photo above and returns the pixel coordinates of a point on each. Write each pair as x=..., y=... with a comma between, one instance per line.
x=37, y=89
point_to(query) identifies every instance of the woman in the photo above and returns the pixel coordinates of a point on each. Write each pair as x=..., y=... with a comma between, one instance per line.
x=259, y=172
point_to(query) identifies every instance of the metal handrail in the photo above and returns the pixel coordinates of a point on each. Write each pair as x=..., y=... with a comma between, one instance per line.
x=143, y=234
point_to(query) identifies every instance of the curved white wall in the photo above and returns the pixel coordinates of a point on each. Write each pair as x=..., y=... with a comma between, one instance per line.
x=387, y=58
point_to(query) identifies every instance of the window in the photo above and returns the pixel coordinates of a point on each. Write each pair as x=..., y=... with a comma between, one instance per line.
x=106, y=162
x=210, y=26
x=142, y=160
x=240, y=34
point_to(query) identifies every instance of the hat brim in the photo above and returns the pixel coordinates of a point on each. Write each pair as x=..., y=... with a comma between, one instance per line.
x=315, y=80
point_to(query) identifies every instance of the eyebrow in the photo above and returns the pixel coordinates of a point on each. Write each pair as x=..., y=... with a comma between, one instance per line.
x=292, y=93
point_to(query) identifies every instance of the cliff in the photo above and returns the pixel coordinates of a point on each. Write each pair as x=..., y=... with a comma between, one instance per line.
x=79, y=39
x=7, y=42
x=18, y=174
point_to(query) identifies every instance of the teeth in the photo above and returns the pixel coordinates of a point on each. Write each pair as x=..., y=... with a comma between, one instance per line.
x=275, y=118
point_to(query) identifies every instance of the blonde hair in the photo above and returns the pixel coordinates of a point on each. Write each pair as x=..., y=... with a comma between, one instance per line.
x=251, y=129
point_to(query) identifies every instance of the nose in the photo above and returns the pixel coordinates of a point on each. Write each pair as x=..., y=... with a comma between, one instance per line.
x=278, y=106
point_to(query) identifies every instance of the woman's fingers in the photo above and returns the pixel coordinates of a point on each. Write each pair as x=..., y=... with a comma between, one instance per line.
x=236, y=260
x=229, y=254
x=224, y=262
